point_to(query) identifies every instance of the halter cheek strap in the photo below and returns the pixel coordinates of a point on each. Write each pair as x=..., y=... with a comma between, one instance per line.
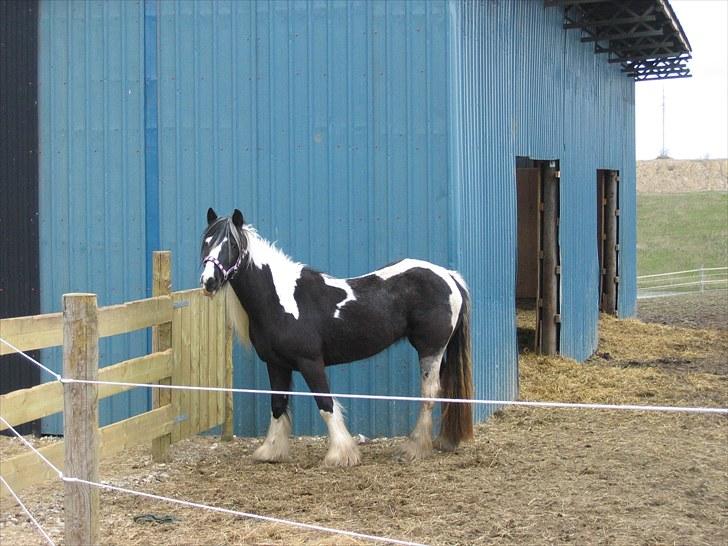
x=226, y=273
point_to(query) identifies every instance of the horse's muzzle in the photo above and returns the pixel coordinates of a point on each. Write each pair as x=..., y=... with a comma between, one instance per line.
x=210, y=287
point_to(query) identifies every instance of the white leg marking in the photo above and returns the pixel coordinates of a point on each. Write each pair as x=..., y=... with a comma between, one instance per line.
x=343, y=285
x=343, y=450
x=419, y=443
x=275, y=448
x=284, y=270
x=237, y=315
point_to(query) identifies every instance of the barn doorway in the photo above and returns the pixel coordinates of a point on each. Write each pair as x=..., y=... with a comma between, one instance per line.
x=608, y=239
x=538, y=271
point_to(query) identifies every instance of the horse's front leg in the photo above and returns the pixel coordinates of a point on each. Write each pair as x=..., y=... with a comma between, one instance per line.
x=343, y=449
x=275, y=448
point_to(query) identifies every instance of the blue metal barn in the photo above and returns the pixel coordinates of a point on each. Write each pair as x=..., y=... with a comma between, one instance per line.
x=353, y=133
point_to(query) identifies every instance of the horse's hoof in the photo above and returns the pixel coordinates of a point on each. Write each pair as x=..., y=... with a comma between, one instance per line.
x=443, y=444
x=412, y=451
x=349, y=456
x=266, y=454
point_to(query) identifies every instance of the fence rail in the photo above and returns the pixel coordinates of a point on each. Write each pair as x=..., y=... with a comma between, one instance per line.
x=191, y=345
x=682, y=282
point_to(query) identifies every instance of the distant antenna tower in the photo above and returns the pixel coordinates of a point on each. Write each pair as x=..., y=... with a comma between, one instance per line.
x=663, y=151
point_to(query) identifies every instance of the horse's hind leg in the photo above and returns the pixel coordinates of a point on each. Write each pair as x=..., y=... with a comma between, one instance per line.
x=343, y=449
x=419, y=443
x=275, y=447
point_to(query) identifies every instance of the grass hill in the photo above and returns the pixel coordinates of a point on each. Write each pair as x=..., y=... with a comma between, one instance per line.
x=682, y=215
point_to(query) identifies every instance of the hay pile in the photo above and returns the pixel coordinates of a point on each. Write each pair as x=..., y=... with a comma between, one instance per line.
x=636, y=363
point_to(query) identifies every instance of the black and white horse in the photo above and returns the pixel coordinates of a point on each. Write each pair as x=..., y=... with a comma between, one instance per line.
x=299, y=319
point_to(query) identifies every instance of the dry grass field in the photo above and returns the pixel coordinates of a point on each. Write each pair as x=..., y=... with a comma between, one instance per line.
x=682, y=175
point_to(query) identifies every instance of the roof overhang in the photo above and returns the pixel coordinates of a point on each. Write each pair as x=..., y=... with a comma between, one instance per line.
x=644, y=36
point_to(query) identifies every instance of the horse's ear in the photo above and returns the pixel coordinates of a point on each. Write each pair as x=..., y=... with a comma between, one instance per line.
x=211, y=216
x=238, y=219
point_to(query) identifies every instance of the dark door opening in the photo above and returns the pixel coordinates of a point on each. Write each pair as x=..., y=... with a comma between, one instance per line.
x=608, y=239
x=538, y=272
x=19, y=255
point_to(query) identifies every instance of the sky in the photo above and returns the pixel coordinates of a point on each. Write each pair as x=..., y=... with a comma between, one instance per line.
x=696, y=109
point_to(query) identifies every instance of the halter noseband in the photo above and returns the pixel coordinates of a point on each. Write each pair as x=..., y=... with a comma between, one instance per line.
x=226, y=273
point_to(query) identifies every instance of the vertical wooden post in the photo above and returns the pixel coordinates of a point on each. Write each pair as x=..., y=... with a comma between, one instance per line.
x=550, y=272
x=161, y=340
x=227, y=426
x=609, y=289
x=81, y=418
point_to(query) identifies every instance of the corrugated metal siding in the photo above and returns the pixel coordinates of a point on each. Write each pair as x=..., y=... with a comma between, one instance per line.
x=327, y=124
x=353, y=133
x=91, y=162
x=482, y=103
x=530, y=88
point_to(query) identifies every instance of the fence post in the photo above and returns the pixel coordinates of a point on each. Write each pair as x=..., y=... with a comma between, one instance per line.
x=81, y=418
x=161, y=341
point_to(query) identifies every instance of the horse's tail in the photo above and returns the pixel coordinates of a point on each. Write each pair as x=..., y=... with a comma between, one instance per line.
x=456, y=380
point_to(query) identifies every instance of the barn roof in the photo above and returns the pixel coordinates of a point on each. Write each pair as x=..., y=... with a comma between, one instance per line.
x=644, y=36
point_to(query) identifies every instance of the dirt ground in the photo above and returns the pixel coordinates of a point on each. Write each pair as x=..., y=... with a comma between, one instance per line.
x=694, y=310
x=531, y=476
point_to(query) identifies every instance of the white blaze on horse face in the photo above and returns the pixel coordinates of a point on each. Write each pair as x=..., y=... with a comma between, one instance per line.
x=284, y=270
x=209, y=271
x=343, y=285
x=455, y=298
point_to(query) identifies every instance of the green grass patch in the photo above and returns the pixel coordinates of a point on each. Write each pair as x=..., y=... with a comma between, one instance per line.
x=681, y=231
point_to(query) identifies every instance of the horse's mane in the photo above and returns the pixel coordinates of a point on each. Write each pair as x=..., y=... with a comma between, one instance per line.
x=248, y=239
x=264, y=251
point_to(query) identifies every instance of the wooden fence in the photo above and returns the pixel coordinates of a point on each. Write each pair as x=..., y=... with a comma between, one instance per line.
x=191, y=345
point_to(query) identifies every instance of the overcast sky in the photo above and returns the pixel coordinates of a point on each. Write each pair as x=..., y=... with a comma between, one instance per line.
x=696, y=108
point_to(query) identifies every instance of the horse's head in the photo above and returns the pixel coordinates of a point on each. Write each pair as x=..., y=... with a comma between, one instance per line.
x=224, y=249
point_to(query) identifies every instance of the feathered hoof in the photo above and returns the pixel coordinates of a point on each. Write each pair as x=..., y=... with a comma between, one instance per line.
x=411, y=451
x=343, y=455
x=268, y=454
x=443, y=444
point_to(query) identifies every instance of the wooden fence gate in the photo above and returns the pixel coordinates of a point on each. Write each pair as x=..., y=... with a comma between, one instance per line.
x=191, y=346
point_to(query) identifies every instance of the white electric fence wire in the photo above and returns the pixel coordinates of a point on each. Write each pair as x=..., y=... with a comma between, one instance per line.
x=32, y=447
x=269, y=519
x=566, y=405
x=25, y=509
x=525, y=403
x=309, y=394
x=28, y=357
